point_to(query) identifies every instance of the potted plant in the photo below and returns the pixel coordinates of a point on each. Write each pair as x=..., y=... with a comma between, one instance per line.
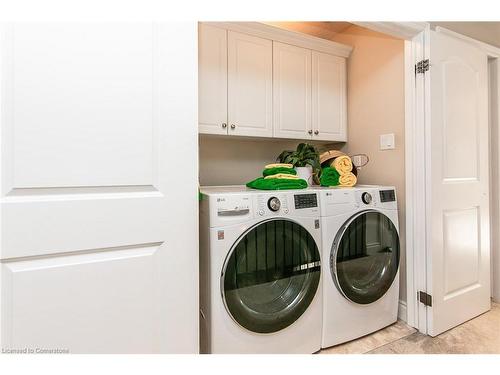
x=305, y=161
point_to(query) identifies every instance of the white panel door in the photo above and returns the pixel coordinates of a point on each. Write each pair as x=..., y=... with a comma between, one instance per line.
x=98, y=302
x=329, y=104
x=212, y=80
x=291, y=91
x=250, y=66
x=94, y=226
x=459, y=256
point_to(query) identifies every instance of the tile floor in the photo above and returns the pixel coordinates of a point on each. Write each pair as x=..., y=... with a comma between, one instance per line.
x=480, y=335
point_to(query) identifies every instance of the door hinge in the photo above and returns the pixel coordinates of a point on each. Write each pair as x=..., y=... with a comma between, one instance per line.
x=424, y=298
x=422, y=66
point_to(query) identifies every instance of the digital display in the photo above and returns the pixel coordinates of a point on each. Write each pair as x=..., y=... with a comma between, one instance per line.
x=305, y=201
x=387, y=196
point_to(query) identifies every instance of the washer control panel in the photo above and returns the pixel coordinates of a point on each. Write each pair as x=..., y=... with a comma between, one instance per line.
x=229, y=206
x=233, y=205
x=272, y=204
x=305, y=201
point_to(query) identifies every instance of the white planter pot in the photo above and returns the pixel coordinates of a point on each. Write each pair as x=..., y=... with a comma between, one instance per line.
x=305, y=173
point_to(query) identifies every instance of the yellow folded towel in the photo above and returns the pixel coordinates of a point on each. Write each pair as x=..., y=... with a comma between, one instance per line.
x=279, y=165
x=343, y=164
x=283, y=176
x=347, y=179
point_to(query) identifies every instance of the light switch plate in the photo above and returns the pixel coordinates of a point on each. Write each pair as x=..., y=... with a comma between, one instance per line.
x=387, y=142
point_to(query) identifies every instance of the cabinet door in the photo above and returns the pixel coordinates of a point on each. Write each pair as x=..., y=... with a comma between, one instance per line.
x=250, y=77
x=99, y=248
x=329, y=112
x=212, y=80
x=291, y=91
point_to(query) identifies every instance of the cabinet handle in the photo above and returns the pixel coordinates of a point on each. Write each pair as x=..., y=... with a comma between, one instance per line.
x=233, y=126
x=316, y=132
x=310, y=131
x=224, y=125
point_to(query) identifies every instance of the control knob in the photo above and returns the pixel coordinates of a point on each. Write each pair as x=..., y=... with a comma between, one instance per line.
x=366, y=198
x=274, y=204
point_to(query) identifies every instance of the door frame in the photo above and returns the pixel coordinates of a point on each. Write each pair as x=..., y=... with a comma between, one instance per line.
x=417, y=123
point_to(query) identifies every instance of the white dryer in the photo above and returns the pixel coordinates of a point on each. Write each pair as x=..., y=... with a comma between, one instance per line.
x=260, y=271
x=360, y=238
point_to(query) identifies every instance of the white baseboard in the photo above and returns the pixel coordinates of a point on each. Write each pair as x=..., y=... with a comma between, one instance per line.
x=402, y=312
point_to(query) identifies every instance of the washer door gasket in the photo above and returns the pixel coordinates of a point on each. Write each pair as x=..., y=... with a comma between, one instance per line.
x=364, y=259
x=271, y=276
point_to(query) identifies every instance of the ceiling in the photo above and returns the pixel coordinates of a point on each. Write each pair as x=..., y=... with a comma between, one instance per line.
x=488, y=32
x=325, y=30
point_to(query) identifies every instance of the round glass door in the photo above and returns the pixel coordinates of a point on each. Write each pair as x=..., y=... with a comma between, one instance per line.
x=365, y=257
x=271, y=275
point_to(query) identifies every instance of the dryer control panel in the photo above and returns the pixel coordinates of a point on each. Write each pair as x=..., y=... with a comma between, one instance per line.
x=387, y=195
x=375, y=197
x=335, y=201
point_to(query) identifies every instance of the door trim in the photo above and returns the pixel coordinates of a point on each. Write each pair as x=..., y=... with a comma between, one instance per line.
x=415, y=183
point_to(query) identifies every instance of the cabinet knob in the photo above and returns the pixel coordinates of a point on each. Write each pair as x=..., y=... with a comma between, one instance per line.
x=316, y=132
x=224, y=125
x=310, y=131
x=233, y=126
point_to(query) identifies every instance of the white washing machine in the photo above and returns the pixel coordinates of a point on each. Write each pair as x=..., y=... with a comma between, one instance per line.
x=360, y=239
x=260, y=271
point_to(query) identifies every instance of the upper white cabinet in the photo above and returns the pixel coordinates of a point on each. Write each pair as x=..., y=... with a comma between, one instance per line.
x=329, y=105
x=292, y=91
x=212, y=83
x=250, y=80
x=260, y=81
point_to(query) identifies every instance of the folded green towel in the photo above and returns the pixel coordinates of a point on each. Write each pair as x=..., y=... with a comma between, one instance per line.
x=277, y=184
x=329, y=177
x=276, y=170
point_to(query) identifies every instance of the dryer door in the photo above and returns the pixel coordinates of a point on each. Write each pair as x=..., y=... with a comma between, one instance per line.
x=270, y=276
x=365, y=257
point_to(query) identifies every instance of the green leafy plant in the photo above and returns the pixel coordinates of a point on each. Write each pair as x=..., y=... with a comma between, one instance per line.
x=304, y=155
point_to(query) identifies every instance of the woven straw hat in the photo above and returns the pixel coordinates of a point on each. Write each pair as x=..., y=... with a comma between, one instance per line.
x=332, y=154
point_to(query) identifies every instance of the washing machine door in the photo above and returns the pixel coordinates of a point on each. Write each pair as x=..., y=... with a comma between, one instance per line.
x=270, y=276
x=364, y=259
